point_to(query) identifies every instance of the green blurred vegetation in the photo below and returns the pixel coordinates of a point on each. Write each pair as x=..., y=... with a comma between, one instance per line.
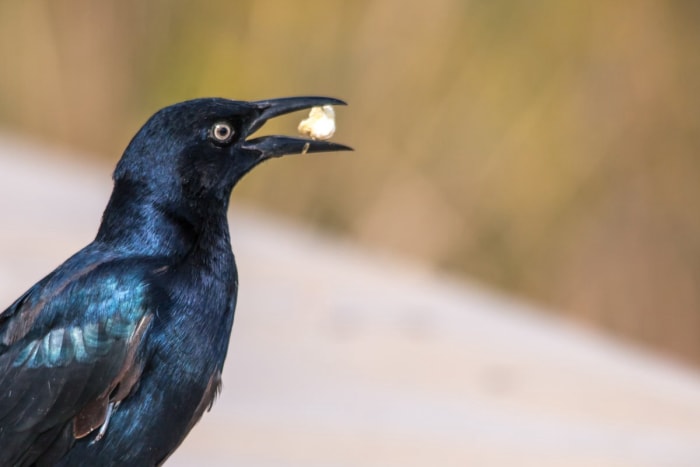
x=548, y=148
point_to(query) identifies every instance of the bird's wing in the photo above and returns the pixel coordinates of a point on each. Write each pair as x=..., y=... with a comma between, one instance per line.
x=67, y=348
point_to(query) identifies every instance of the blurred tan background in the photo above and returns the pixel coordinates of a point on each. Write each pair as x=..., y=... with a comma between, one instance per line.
x=548, y=149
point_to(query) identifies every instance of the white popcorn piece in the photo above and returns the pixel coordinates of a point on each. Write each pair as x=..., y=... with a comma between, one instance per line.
x=320, y=124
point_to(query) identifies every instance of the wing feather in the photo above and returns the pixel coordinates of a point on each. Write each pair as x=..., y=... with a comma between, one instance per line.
x=61, y=360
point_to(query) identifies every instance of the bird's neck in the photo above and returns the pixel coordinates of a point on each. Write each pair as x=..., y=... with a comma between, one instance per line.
x=147, y=223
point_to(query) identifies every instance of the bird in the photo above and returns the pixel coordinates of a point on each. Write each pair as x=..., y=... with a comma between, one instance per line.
x=113, y=357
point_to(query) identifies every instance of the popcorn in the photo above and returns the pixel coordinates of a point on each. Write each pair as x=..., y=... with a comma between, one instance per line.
x=320, y=124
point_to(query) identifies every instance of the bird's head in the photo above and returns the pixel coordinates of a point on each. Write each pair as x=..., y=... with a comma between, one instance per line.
x=200, y=148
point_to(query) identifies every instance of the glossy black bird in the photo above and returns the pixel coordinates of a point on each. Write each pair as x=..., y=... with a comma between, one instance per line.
x=113, y=357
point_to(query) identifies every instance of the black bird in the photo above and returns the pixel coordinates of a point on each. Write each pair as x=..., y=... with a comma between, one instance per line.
x=113, y=357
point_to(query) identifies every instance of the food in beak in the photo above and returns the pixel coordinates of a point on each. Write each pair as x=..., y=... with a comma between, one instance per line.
x=320, y=124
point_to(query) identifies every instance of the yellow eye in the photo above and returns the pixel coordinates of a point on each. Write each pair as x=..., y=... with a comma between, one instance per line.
x=222, y=132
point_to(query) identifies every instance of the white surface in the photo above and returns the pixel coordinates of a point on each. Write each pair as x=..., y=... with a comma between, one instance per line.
x=341, y=358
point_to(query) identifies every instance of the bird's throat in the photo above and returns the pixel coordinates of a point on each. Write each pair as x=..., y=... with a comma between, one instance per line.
x=152, y=224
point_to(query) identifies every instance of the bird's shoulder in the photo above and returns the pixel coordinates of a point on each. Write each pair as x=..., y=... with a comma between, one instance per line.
x=73, y=341
x=94, y=290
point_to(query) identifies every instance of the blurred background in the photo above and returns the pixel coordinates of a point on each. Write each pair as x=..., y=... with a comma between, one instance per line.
x=546, y=149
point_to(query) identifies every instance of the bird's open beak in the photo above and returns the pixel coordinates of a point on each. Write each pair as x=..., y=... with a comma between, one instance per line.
x=275, y=146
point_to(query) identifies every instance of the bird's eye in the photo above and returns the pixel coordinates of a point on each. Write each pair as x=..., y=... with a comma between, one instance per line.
x=222, y=132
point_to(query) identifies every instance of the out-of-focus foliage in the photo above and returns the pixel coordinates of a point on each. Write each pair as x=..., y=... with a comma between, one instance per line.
x=549, y=148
